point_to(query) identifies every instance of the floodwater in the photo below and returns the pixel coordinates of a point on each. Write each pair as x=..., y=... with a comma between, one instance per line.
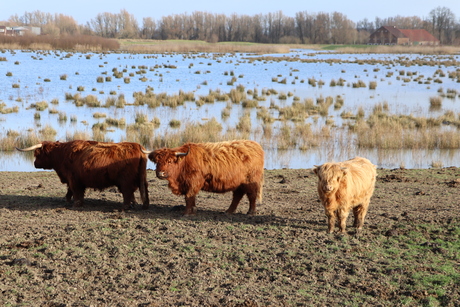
x=29, y=77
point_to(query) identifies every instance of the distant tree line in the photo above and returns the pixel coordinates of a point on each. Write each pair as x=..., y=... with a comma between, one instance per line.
x=304, y=27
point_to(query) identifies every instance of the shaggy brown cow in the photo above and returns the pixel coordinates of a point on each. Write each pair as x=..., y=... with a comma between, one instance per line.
x=344, y=186
x=221, y=167
x=98, y=165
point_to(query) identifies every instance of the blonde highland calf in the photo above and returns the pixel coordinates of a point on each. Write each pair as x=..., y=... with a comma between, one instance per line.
x=343, y=186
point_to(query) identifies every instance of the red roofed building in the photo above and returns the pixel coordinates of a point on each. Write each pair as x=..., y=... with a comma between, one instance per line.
x=390, y=35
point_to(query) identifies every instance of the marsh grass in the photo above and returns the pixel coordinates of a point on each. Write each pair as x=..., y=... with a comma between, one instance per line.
x=39, y=106
x=209, y=131
x=435, y=102
x=183, y=46
x=78, y=135
x=119, y=123
x=4, y=110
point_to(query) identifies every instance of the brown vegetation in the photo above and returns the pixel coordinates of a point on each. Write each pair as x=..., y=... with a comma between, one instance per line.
x=74, y=42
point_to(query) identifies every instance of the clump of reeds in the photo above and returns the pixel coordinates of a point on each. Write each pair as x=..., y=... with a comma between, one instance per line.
x=244, y=124
x=264, y=114
x=27, y=140
x=9, y=141
x=249, y=103
x=174, y=123
x=62, y=117
x=4, y=110
x=339, y=101
x=39, y=106
x=225, y=113
x=78, y=135
x=91, y=101
x=236, y=96
x=48, y=133
x=100, y=126
x=372, y=85
x=360, y=83
x=99, y=115
x=312, y=81
x=435, y=102
x=298, y=111
x=120, y=101
x=115, y=122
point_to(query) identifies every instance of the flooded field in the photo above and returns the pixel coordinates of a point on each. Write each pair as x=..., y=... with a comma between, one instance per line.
x=108, y=97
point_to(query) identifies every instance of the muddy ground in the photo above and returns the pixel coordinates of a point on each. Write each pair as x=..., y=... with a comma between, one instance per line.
x=407, y=254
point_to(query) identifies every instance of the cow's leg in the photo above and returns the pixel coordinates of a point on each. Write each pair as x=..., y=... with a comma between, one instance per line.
x=331, y=218
x=253, y=191
x=128, y=197
x=342, y=215
x=78, y=197
x=237, y=196
x=190, y=208
x=68, y=196
x=76, y=190
x=359, y=213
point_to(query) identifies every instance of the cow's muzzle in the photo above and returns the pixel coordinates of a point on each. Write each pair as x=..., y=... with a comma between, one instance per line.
x=162, y=175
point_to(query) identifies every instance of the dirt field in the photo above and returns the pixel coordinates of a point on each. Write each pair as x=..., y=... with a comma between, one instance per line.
x=407, y=254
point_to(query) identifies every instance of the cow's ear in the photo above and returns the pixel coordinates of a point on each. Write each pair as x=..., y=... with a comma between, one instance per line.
x=344, y=171
x=315, y=170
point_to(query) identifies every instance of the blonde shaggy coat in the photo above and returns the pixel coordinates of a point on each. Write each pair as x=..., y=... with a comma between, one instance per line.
x=343, y=186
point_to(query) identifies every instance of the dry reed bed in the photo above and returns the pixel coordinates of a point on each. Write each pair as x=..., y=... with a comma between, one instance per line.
x=152, y=46
x=302, y=125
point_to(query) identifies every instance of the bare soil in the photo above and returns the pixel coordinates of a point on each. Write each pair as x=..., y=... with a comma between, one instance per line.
x=53, y=255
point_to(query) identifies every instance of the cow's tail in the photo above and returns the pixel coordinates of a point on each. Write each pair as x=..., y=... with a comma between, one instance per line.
x=261, y=188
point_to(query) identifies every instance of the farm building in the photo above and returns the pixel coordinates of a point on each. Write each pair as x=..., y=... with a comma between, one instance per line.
x=390, y=35
x=19, y=31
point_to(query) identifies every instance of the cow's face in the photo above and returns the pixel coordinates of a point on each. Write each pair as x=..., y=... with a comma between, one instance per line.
x=167, y=163
x=43, y=158
x=330, y=178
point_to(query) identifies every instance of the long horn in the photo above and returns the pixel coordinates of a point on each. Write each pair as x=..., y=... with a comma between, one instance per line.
x=146, y=151
x=31, y=147
x=179, y=154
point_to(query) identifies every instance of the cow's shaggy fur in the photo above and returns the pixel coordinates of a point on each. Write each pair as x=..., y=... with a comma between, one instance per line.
x=98, y=165
x=344, y=186
x=236, y=166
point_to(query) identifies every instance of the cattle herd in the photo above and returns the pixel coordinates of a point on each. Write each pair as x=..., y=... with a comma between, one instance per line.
x=236, y=166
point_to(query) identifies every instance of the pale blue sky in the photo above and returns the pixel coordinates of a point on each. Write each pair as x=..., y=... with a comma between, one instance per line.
x=85, y=10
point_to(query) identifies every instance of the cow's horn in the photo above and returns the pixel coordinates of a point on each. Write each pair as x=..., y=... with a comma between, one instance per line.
x=31, y=147
x=146, y=151
x=180, y=154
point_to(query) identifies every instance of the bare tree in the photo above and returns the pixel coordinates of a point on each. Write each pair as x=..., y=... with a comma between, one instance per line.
x=148, y=28
x=66, y=24
x=443, y=22
x=342, y=29
x=127, y=24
